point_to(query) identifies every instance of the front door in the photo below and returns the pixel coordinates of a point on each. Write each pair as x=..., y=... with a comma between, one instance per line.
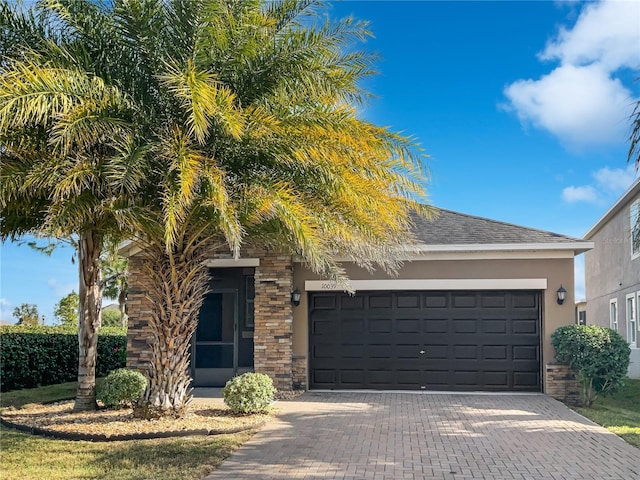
x=223, y=343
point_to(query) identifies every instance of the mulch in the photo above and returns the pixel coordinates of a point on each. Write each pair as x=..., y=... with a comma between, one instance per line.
x=58, y=420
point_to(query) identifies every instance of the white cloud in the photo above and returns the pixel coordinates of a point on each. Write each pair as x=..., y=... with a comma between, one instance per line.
x=606, y=33
x=61, y=289
x=581, y=106
x=615, y=180
x=6, y=312
x=584, y=193
x=609, y=184
x=581, y=101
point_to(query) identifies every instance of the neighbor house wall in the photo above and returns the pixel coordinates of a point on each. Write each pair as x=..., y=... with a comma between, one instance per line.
x=611, y=272
x=557, y=271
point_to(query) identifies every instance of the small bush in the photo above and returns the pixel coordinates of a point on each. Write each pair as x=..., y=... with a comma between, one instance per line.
x=121, y=388
x=599, y=355
x=249, y=393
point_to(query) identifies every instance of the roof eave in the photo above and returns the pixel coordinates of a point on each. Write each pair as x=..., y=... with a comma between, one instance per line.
x=577, y=247
x=615, y=208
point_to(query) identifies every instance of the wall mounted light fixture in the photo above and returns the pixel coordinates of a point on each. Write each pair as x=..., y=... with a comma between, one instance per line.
x=562, y=294
x=295, y=297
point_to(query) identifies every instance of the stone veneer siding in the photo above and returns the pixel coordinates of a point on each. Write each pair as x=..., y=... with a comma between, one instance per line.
x=299, y=381
x=273, y=318
x=562, y=384
x=138, y=309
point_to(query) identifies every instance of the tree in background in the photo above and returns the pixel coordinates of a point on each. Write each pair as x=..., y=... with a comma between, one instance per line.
x=110, y=318
x=27, y=314
x=116, y=280
x=66, y=310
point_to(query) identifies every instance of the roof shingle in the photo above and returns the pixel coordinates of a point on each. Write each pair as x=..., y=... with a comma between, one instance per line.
x=453, y=228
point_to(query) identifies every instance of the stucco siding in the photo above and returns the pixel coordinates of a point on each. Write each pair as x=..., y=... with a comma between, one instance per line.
x=611, y=272
x=557, y=271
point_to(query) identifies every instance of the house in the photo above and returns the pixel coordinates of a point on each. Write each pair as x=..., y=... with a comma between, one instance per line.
x=472, y=308
x=581, y=312
x=612, y=271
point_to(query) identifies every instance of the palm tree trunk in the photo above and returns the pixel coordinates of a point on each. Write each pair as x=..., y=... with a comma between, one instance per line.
x=179, y=281
x=90, y=305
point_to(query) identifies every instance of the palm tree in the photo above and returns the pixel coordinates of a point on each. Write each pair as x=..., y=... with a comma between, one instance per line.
x=263, y=146
x=215, y=123
x=64, y=137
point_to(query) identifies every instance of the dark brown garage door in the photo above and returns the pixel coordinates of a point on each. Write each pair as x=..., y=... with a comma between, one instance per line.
x=426, y=340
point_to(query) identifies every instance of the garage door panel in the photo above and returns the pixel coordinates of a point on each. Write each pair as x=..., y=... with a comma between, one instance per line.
x=464, y=300
x=323, y=302
x=436, y=300
x=437, y=352
x=380, y=325
x=408, y=325
x=437, y=325
x=408, y=300
x=494, y=352
x=467, y=378
x=380, y=301
x=465, y=352
x=496, y=378
x=524, y=300
x=525, y=352
x=494, y=325
x=348, y=302
x=465, y=325
x=493, y=300
x=525, y=380
x=470, y=340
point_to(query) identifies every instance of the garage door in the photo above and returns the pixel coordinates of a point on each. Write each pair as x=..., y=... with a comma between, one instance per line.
x=456, y=340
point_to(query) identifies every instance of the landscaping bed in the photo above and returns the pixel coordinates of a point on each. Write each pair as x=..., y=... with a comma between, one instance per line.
x=59, y=420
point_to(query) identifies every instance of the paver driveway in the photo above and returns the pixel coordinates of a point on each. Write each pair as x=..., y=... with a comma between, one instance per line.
x=430, y=436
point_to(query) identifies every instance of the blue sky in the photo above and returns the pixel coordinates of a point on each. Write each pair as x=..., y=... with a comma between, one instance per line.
x=522, y=106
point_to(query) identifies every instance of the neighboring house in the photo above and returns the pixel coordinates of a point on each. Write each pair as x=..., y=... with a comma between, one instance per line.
x=472, y=309
x=581, y=312
x=612, y=272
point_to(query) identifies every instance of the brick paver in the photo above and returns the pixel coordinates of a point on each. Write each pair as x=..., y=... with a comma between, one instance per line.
x=383, y=436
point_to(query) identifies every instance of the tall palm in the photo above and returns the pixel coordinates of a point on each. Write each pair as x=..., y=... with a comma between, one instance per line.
x=65, y=135
x=262, y=145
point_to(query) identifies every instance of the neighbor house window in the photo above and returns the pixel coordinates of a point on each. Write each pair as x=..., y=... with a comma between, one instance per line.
x=582, y=317
x=634, y=217
x=632, y=317
x=613, y=314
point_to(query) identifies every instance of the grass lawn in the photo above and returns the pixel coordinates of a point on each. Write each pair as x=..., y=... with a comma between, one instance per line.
x=619, y=413
x=27, y=457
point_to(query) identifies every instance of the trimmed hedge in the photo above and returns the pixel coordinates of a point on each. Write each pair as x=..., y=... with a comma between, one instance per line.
x=34, y=356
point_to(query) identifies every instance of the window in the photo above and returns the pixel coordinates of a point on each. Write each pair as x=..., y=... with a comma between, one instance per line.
x=634, y=217
x=632, y=317
x=613, y=314
x=582, y=317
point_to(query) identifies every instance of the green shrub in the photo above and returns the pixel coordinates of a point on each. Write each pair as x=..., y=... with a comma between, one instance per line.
x=249, y=393
x=34, y=356
x=121, y=388
x=599, y=355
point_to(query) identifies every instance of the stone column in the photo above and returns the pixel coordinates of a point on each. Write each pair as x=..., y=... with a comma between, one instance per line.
x=273, y=334
x=138, y=309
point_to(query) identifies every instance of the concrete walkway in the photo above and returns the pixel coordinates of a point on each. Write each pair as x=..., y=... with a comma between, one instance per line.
x=430, y=436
